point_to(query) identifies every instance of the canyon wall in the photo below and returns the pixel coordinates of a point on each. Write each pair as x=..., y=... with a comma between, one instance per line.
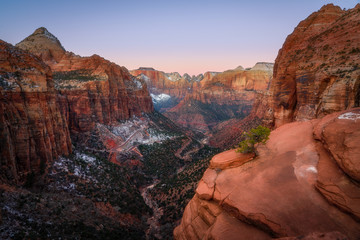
x=32, y=128
x=168, y=89
x=201, y=102
x=317, y=70
x=227, y=95
x=304, y=182
x=91, y=89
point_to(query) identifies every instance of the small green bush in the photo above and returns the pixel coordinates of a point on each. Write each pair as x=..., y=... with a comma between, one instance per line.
x=254, y=136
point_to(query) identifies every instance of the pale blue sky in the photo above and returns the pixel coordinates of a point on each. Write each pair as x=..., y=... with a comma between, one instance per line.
x=185, y=36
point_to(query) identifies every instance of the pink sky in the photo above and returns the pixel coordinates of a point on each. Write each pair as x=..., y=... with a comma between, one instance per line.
x=182, y=36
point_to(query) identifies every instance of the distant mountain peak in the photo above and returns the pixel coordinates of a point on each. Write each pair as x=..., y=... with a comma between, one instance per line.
x=146, y=69
x=263, y=66
x=43, y=43
x=43, y=31
x=240, y=68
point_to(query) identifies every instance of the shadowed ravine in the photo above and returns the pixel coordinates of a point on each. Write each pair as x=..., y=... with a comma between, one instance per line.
x=153, y=221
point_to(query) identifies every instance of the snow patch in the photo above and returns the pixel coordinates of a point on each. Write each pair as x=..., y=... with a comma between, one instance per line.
x=50, y=36
x=160, y=97
x=138, y=84
x=312, y=169
x=174, y=76
x=61, y=164
x=144, y=77
x=136, y=131
x=85, y=157
x=350, y=116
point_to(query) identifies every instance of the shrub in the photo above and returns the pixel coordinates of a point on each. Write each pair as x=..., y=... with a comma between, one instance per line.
x=254, y=136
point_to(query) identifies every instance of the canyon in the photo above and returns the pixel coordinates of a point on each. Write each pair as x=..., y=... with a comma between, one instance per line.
x=304, y=183
x=202, y=102
x=74, y=127
x=135, y=150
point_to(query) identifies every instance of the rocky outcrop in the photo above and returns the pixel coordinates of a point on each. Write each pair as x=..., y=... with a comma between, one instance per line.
x=317, y=70
x=227, y=95
x=33, y=130
x=302, y=183
x=92, y=89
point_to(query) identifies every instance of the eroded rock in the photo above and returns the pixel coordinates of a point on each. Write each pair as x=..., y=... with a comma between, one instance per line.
x=293, y=188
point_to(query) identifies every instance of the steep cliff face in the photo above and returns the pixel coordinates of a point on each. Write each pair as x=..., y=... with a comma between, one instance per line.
x=229, y=133
x=303, y=182
x=316, y=73
x=33, y=130
x=227, y=95
x=168, y=89
x=92, y=89
x=317, y=70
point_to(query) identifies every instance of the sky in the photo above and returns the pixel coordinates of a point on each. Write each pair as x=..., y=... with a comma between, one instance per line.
x=192, y=36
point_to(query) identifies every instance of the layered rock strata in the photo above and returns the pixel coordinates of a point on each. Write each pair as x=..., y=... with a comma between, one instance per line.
x=168, y=89
x=227, y=95
x=317, y=70
x=92, y=89
x=33, y=130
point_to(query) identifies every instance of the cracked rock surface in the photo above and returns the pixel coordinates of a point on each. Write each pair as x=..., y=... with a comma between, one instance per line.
x=303, y=183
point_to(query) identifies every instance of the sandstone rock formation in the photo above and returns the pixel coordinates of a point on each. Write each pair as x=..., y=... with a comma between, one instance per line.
x=316, y=73
x=172, y=86
x=302, y=183
x=92, y=89
x=317, y=70
x=33, y=130
x=227, y=95
x=44, y=44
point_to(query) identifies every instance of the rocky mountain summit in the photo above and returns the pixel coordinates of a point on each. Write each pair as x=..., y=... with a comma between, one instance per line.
x=44, y=44
x=92, y=89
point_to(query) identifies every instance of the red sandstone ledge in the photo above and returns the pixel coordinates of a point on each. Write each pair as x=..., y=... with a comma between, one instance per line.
x=230, y=159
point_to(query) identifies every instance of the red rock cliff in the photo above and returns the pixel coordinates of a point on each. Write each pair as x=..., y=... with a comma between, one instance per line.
x=303, y=182
x=33, y=130
x=158, y=82
x=317, y=70
x=227, y=95
x=92, y=89
x=316, y=73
